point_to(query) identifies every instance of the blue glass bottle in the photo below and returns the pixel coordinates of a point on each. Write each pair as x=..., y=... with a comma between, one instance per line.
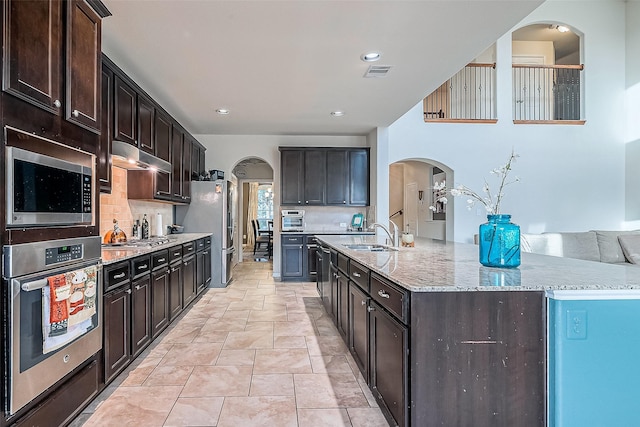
x=499, y=242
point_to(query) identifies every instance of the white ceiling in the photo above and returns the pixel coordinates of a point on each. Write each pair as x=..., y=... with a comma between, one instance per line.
x=281, y=67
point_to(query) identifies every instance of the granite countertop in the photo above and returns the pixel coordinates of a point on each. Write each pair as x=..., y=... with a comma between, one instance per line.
x=437, y=266
x=115, y=254
x=330, y=232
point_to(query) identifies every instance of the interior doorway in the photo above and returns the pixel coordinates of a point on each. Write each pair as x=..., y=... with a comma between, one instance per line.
x=411, y=194
x=255, y=199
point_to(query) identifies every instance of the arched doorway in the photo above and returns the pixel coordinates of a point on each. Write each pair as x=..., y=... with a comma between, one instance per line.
x=255, y=201
x=411, y=183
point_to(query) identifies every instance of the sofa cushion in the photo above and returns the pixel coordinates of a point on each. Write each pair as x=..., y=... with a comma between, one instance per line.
x=580, y=245
x=610, y=249
x=630, y=244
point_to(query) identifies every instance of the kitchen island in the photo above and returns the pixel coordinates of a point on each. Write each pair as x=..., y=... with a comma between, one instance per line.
x=442, y=340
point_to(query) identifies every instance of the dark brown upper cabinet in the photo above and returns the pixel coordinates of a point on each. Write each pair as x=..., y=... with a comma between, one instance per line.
x=51, y=45
x=186, y=167
x=125, y=108
x=84, y=58
x=146, y=123
x=104, y=151
x=163, y=131
x=328, y=176
x=33, y=64
x=176, y=164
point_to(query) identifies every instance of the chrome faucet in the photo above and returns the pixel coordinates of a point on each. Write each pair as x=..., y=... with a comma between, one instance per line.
x=392, y=238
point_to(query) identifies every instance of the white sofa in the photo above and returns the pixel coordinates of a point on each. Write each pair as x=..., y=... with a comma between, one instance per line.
x=614, y=247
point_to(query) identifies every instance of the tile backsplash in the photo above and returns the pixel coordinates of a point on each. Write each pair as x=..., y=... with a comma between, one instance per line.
x=116, y=205
x=328, y=218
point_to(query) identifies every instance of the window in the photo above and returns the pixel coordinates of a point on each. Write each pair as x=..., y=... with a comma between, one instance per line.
x=265, y=205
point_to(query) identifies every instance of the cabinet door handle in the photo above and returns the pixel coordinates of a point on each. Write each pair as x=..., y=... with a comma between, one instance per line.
x=307, y=202
x=371, y=308
x=356, y=274
x=119, y=276
x=137, y=287
x=173, y=270
x=363, y=302
x=161, y=260
x=344, y=202
x=57, y=103
x=75, y=113
x=142, y=267
x=128, y=291
x=383, y=294
x=300, y=246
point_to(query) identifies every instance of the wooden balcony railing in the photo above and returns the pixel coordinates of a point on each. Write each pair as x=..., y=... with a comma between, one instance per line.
x=468, y=96
x=547, y=94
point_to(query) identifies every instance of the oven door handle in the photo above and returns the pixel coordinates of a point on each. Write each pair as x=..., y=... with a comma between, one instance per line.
x=35, y=285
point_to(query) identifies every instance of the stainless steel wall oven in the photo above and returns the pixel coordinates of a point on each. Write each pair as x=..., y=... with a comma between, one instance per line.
x=53, y=294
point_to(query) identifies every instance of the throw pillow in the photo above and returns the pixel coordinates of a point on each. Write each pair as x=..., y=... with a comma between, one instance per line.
x=630, y=244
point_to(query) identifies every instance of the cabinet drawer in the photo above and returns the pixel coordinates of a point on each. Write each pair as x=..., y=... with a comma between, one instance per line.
x=159, y=259
x=358, y=274
x=175, y=254
x=188, y=249
x=343, y=262
x=116, y=275
x=141, y=265
x=291, y=240
x=389, y=296
x=312, y=241
x=207, y=242
x=200, y=245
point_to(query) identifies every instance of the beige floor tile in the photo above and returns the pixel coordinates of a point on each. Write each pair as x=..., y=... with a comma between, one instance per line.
x=259, y=326
x=227, y=325
x=236, y=314
x=262, y=411
x=323, y=418
x=169, y=375
x=328, y=391
x=202, y=353
x=181, y=334
x=210, y=335
x=336, y=364
x=236, y=358
x=137, y=372
x=279, y=315
x=326, y=346
x=249, y=340
x=212, y=381
x=282, y=361
x=289, y=342
x=246, y=305
x=367, y=417
x=272, y=385
x=292, y=329
x=157, y=349
x=139, y=406
x=195, y=411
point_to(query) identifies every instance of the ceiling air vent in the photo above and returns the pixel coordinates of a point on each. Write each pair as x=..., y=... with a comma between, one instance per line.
x=377, y=71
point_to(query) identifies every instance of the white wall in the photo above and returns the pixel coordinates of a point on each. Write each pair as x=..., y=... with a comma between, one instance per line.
x=225, y=151
x=632, y=99
x=572, y=176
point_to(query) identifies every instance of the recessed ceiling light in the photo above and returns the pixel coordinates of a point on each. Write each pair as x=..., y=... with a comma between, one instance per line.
x=337, y=113
x=370, y=56
x=222, y=111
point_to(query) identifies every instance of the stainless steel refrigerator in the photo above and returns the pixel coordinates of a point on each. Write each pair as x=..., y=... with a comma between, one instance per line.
x=213, y=210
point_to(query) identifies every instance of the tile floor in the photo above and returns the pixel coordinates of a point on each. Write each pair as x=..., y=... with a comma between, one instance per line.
x=257, y=353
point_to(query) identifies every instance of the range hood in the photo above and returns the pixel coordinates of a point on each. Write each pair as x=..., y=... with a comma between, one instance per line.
x=127, y=156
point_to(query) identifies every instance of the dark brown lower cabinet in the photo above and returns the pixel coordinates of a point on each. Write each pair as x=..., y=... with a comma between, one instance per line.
x=359, y=328
x=175, y=290
x=449, y=358
x=140, y=315
x=388, y=363
x=188, y=280
x=343, y=305
x=159, y=301
x=117, y=324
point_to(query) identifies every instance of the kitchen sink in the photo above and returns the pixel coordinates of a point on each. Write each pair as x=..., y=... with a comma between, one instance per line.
x=370, y=247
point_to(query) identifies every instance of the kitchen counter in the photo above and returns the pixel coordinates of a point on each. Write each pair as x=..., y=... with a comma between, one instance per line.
x=330, y=232
x=436, y=266
x=114, y=254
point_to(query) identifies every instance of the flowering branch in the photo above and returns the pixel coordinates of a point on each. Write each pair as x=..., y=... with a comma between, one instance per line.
x=490, y=201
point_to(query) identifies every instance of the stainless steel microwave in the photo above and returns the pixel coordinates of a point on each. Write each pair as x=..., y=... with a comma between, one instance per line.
x=44, y=190
x=292, y=220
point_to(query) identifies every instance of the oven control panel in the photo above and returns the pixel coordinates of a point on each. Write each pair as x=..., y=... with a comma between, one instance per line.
x=63, y=254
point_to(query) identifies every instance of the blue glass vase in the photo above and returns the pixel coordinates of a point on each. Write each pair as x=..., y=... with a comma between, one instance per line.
x=499, y=242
